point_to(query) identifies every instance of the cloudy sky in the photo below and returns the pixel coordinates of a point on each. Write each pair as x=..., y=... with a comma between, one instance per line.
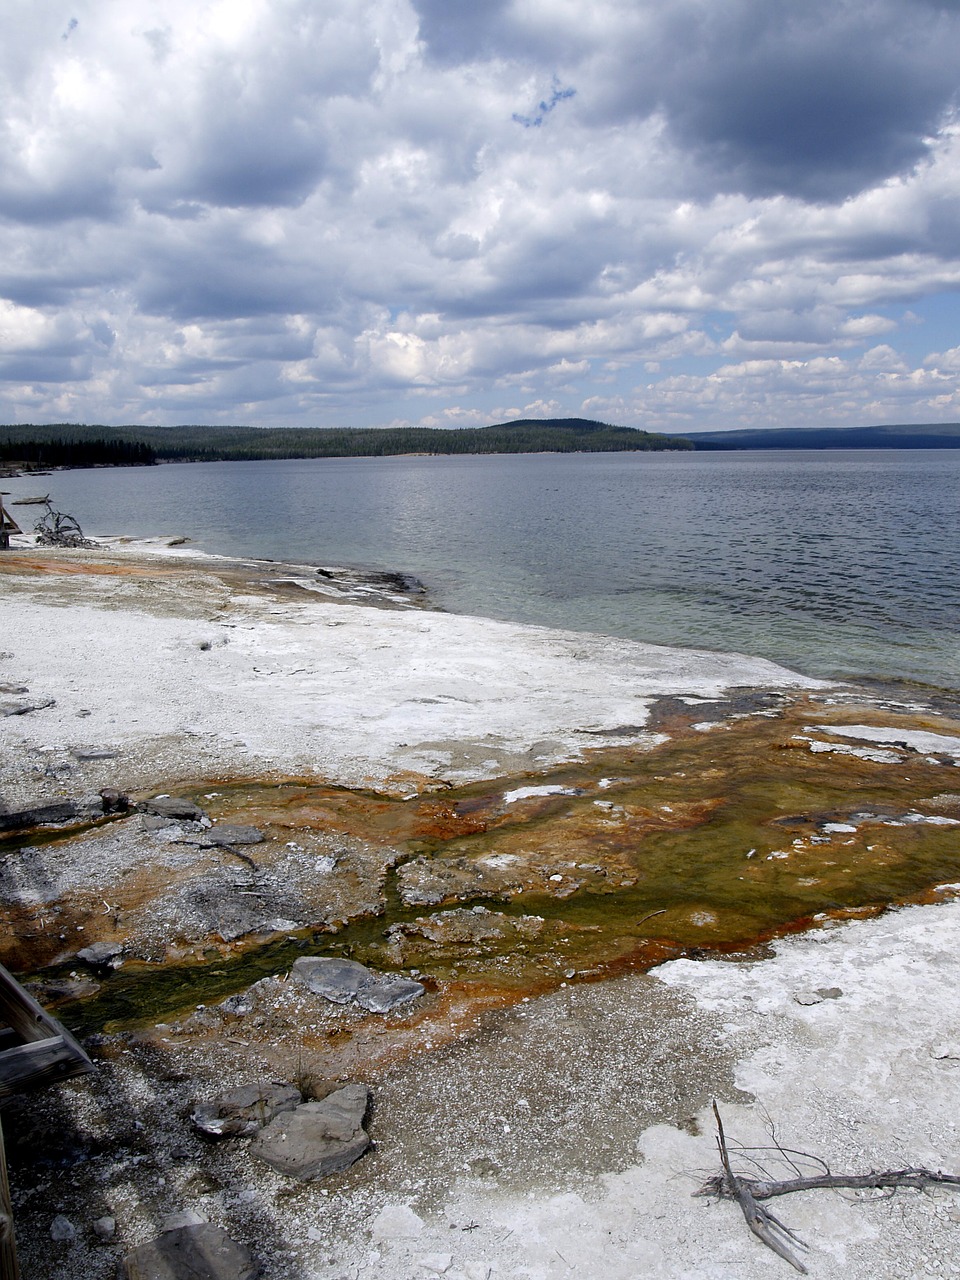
x=677, y=214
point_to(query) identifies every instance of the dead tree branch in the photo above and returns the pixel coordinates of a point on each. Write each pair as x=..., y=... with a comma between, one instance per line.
x=56, y=529
x=915, y=1178
x=748, y=1191
x=767, y=1228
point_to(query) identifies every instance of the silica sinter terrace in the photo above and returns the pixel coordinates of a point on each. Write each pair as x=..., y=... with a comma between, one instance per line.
x=832, y=562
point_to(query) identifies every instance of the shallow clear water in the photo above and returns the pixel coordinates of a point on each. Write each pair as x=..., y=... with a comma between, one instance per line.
x=834, y=563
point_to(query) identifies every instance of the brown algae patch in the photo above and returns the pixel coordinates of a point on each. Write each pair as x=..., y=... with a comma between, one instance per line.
x=714, y=840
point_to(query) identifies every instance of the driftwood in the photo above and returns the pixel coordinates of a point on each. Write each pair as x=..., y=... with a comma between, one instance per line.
x=56, y=529
x=774, y=1234
x=748, y=1191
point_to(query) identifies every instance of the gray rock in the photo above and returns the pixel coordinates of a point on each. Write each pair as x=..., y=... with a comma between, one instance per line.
x=829, y=993
x=201, y=1252
x=13, y=688
x=318, y=1138
x=24, y=708
x=334, y=979
x=150, y=822
x=347, y=981
x=386, y=993
x=101, y=955
x=244, y=1111
x=185, y=1218
x=105, y=1228
x=62, y=1229
x=114, y=801
x=239, y=1005
x=234, y=833
x=172, y=807
x=82, y=810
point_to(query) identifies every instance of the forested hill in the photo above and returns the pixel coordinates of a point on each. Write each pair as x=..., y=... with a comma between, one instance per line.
x=65, y=444
x=923, y=435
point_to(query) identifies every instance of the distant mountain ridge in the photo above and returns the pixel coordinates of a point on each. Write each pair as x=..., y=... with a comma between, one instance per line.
x=928, y=435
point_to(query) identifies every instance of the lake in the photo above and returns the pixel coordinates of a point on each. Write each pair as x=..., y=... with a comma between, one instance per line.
x=835, y=563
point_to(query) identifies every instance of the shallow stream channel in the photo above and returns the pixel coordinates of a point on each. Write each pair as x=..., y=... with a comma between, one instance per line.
x=726, y=825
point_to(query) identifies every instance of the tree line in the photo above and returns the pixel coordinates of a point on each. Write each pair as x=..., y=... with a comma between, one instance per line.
x=71, y=445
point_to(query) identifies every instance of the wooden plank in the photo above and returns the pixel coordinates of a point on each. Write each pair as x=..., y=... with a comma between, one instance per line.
x=21, y=1012
x=9, y=1266
x=31, y=1066
x=58, y=1056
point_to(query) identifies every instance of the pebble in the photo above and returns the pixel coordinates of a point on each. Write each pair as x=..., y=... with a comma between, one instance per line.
x=105, y=1228
x=396, y=1222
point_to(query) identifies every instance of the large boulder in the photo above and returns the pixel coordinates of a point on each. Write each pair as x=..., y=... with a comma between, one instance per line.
x=203, y=1252
x=317, y=1138
x=348, y=981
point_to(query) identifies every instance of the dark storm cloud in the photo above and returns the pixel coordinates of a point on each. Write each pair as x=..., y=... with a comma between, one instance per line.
x=817, y=101
x=812, y=99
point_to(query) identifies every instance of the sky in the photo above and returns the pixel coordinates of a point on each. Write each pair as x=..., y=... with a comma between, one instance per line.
x=673, y=214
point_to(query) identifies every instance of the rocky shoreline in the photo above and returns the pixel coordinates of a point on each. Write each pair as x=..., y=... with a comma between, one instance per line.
x=290, y=836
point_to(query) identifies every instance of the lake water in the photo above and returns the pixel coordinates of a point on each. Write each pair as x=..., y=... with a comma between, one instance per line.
x=833, y=563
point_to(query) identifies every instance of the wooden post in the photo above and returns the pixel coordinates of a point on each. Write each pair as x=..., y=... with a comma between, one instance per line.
x=9, y=1266
x=7, y=526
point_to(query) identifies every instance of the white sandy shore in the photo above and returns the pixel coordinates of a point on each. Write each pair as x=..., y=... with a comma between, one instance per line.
x=866, y=1080
x=182, y=676
x=187, y=676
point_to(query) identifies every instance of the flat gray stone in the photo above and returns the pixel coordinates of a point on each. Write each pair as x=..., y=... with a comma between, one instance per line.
x=82, y=810
x=191, y=1253
x=244, y=1111
x=185, y=1218
x=318, y=1138
x=172, y=807
x=348, y=981
x=101, y=955
x=386, y=993
x=334, y=979
x=24, y=708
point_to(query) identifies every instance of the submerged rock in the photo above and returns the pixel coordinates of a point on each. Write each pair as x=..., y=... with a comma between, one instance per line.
x=317, y=1138
x=348, y=981
x=244, y=1111
x=203, y=1252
